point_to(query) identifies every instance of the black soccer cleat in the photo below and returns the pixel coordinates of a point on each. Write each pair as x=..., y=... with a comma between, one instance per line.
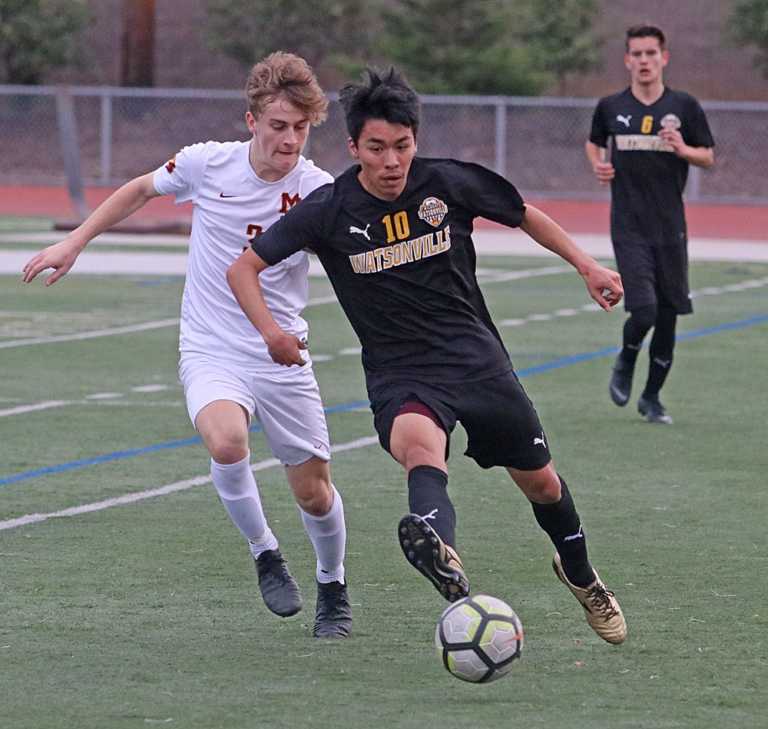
x=333, y=614
x=620, y=386
x=279, y=590
x=431, y=556
x=653, y=411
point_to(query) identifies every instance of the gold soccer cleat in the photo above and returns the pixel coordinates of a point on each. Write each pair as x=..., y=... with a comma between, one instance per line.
x=600, y=604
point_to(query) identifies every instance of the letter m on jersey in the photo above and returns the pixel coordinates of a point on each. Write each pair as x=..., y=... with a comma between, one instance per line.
x=289, y=201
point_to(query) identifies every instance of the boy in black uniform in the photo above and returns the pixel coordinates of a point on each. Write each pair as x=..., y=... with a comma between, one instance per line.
x=393, y=234
x=656, y=134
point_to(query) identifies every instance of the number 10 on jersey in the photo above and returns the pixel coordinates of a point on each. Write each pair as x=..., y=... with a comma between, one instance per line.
x=397, y=226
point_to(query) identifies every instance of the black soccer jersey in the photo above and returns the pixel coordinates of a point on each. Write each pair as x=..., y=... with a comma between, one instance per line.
x=646, y=193
x=404, y=270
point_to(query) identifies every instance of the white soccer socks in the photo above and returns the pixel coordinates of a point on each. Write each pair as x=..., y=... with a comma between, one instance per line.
x=328, y=534
x=239, y=493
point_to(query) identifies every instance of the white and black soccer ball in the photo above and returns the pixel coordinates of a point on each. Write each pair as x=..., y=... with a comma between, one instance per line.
x=479, y=638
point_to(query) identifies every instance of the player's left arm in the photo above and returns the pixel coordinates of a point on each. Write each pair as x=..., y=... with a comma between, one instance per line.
x=603, y=284
x=698, y=156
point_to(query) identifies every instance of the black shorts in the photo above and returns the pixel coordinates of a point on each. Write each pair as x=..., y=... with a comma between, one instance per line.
x=653, y=273
x=501, y=423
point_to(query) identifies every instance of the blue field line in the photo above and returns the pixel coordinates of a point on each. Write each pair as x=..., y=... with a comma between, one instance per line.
x=132, y=452
x=741, y=324
x=356, y=405
x=573, y=359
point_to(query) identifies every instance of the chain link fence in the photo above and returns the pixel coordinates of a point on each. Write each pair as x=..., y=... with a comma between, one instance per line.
x=105, y=136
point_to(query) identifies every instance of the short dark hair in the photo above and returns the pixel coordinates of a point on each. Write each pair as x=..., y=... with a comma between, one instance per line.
x=385, y=96
x=645, y=30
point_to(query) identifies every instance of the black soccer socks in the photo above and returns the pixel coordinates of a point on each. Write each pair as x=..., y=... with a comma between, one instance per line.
x=561, y=522
x=428, y=497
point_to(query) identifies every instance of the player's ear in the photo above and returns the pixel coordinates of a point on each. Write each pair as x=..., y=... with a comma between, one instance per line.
x=664, y=58
x=250, y=121
x=352, y=148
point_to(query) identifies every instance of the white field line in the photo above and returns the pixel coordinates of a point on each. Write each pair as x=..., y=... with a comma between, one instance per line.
x=697, y=294
x=94, y=334
x=48, y=404
x=32, y=408
x=162, y=323
x=129, y=329
x=525, y=273
x=170, y=488
x=355, y=351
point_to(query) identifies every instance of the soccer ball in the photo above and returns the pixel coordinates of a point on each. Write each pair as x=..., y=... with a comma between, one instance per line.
x=479, y=638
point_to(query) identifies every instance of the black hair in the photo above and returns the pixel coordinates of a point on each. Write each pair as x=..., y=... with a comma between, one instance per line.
x=645, y=30
x=385, y=96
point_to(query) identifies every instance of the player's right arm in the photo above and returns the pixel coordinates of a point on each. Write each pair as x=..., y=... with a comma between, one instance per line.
x=300, y=225
x=243, y=279
x=596, y=155
x=288, y=235
x=597, y=144
x=119, y=205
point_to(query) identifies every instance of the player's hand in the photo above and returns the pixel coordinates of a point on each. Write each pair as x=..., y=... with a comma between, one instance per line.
x=60, y=256
x=285, y=349
x=604, y=172
x=675, y=140
x=604, y=286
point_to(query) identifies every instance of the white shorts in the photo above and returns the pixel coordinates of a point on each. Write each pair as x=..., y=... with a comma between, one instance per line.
x=286, y=402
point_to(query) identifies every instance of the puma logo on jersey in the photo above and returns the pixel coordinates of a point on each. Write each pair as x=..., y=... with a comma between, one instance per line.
x=540, y=441
x=359, y=231
x=624, y=119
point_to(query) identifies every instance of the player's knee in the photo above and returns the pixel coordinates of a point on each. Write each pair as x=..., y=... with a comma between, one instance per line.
x=226, y=450
x=645, y=317
x=315, y=497
x=311, y=486
x=545, y=491
x=419, y=455
x=542, y=486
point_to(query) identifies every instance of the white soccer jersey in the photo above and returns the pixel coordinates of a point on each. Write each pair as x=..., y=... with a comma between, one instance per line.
x=231, y=204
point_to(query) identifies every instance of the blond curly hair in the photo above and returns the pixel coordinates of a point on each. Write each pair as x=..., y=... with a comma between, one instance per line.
x=286, y=74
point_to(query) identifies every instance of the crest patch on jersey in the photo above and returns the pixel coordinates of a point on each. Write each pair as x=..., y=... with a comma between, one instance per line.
x=170, y=165
x=670, y=121
x=432, y=210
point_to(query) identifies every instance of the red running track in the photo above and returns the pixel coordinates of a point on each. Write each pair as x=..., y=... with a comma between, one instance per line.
x=742, y=222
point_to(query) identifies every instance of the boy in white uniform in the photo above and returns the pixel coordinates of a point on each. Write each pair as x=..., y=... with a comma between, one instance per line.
x=238, y=190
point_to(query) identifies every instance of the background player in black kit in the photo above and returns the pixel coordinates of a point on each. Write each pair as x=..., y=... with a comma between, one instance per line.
x=657, y=132
x=393, y=234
